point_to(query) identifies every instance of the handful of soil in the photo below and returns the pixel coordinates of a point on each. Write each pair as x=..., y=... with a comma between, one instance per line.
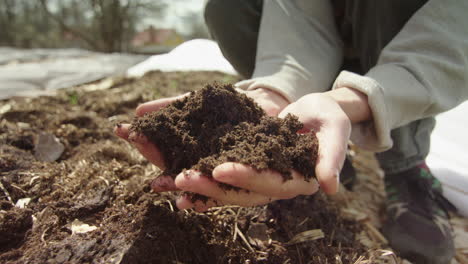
x=217, y=124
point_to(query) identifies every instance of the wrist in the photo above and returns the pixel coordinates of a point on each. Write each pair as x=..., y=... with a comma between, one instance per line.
x=353, y=102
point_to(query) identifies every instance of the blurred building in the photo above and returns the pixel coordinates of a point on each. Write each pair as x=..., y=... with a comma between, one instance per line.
x=153, y=40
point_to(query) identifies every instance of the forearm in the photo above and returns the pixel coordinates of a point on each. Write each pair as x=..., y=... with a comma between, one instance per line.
x=423, y=71
x=299, y=50
x=353, y=102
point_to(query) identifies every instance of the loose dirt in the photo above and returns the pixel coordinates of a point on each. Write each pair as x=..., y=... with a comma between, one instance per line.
x=217, y=124
x=94, y=204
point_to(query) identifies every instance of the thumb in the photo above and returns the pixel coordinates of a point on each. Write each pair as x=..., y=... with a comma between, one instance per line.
x=333, y=142
x=155, y=105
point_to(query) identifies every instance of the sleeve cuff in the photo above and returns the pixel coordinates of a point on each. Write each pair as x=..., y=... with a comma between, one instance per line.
x=371, y=135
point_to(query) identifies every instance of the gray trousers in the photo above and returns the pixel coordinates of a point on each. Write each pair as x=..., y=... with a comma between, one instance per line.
x=366, y=26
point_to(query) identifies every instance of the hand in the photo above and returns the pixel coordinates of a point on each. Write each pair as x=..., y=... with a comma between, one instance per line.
x=270, y=101
x=262, y=186
x=323, y=112
x=328, y=114
x=146, y=148
x=331, y=114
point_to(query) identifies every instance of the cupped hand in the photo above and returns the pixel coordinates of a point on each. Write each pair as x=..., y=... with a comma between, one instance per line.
x=254, y=187
x=321, y=113
x=139, y=141
x=272, y=102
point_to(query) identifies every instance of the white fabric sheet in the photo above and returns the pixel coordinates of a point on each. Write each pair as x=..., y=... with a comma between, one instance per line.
x=448, y=158
x=193, y=55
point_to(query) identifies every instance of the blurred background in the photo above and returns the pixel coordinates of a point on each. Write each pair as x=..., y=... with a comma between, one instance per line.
x=136, y=26
x=46, y=45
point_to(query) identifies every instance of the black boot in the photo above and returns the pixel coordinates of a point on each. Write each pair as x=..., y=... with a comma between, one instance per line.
x=417, y=224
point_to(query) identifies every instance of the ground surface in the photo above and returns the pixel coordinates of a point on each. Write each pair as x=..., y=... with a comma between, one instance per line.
x=94, y=205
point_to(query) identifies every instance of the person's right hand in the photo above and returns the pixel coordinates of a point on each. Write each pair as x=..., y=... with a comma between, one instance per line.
x=144, y=146
x=329, y=115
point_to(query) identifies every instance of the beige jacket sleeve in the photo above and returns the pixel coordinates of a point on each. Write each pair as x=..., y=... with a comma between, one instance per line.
x=422, y=72
x=299, y=50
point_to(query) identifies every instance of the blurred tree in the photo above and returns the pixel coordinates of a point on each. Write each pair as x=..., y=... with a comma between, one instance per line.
x=105, y=25
x=7, y=17
x=102, y=25
x=197, y=27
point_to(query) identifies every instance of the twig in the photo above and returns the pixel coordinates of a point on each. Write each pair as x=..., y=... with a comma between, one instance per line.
x=303, y=222
x=375, y=233
x=299, y=255
x=175, y=252
x=43, y=236
x=338, y=259
x=235, y=225
x=7, y=194
x=359, y=260
x=170, y=205
x=244, y=239
x=105, y=180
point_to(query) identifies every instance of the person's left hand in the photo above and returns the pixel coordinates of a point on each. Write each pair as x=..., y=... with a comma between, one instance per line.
x=256, y=187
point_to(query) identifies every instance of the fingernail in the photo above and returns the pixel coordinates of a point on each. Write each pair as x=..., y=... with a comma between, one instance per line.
x=137, y=138
x=183, y=202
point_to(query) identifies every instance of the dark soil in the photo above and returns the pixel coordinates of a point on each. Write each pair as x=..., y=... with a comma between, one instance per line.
x=218, y=124
x=103, y=182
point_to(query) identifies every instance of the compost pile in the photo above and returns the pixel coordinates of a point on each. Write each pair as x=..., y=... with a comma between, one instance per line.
x=72, y=192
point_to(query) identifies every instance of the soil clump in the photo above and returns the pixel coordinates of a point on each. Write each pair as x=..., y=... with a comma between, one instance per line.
x=217, y=124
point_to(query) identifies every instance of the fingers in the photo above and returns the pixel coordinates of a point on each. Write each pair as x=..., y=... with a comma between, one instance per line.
x=332, y=152
x=147, y=149
x=194, y=181
x=266, y=182
x=122, y=131
x=269, y=100
x=163, y=184
x=157, y=104
x=185, y=202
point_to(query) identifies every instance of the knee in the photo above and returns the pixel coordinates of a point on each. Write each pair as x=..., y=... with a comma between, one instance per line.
x=216, y=12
